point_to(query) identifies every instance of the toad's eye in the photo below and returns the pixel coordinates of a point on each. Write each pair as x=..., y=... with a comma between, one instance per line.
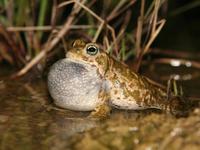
x=92, y=50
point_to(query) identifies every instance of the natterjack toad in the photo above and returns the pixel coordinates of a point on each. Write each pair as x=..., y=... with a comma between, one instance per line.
x=88, y=79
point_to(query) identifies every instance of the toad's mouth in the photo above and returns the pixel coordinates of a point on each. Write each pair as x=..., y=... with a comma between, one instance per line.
x=80, y=63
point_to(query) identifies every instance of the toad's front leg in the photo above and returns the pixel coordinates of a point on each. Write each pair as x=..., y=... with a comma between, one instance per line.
x=103, y=109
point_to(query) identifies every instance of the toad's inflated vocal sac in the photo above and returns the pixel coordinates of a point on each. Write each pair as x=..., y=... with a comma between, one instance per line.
x=88, y=79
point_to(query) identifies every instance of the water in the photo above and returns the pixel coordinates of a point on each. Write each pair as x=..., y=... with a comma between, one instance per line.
x=29, y=120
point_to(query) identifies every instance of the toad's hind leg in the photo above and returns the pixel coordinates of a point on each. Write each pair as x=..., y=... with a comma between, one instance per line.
x=103, y=109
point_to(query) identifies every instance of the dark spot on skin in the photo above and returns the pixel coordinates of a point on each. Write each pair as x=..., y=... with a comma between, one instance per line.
x=85, y=58
x=115, y=92
x=131, y=85
x=117, y=83
x=122, y=84
x=116, y=106
x=91, y=61
x=93, y=65
x=99, y=60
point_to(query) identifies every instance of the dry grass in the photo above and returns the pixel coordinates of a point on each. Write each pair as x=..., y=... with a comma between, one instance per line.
x=27, y=41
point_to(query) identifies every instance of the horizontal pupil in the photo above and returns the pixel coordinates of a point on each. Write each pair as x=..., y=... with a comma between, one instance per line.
x=92, y=49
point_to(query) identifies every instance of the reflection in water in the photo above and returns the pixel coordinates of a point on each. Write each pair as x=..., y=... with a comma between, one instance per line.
x=29, y=120
x=66, y=127
x=63, y=125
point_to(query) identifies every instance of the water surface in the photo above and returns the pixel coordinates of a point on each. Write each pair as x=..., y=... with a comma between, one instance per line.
x=29, y=120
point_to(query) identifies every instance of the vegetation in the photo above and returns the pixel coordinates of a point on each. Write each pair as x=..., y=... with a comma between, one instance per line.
x=29, y=30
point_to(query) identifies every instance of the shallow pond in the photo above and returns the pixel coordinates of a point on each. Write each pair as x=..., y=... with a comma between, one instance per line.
x=29, y=120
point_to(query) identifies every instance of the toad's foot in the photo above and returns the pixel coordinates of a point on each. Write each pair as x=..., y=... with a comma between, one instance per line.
x=101, y=112
x=179, y=106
